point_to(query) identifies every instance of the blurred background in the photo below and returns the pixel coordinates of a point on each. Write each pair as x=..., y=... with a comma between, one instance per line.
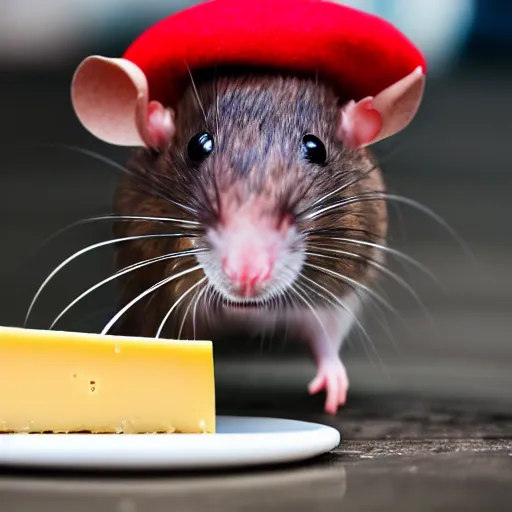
x=454, y=159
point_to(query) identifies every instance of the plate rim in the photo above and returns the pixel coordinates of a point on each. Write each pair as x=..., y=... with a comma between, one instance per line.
x=313, y=440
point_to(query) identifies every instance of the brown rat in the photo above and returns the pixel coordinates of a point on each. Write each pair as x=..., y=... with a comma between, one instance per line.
x=253, y=201
x=280, y=219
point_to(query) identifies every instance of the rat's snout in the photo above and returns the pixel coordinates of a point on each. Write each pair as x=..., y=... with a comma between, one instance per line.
x=250, y=246
x=249, y=249
x=248, y=266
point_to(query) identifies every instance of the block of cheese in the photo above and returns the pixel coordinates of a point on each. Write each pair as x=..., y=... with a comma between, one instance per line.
x=63, y=382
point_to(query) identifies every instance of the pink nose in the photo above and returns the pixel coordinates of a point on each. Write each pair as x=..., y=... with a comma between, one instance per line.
x=248, y=272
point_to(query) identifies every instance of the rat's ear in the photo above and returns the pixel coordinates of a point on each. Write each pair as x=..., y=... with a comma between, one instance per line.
x=110, y=98
x=375, y=118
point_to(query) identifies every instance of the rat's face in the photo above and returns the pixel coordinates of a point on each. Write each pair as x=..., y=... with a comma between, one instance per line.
x=259, y=160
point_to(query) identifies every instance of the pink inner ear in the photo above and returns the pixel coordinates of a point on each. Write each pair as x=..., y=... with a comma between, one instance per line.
x=110, y=98
x=374, y=119
x=360, y=123
x=160, y=124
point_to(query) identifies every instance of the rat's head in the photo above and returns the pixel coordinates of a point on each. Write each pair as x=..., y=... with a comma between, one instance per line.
x=265, y=162
x=255, y=153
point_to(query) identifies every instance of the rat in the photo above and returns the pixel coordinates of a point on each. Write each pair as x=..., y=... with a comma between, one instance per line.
x=253, y=202
x=256, y=159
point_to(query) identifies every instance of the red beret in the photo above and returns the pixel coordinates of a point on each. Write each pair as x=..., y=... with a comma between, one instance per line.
x=359, y=53
x=377, y=71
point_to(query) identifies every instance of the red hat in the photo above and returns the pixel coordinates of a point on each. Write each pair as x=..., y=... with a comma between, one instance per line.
x=359, y=54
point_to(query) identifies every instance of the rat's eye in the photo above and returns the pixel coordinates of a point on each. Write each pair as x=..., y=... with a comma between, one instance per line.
x=313, y=149
x=200, y=146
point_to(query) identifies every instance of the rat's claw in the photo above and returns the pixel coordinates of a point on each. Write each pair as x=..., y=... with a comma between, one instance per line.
x=333, y=378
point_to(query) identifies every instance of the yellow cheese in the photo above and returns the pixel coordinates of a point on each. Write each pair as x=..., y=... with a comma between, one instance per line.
x=70, y=382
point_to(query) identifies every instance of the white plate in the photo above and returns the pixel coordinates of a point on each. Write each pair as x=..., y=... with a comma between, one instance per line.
x=239, y=441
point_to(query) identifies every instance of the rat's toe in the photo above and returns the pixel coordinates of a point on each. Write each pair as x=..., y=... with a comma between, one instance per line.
x=318, y=383
x=331, y=401
x=333, y=378
x=342, y=389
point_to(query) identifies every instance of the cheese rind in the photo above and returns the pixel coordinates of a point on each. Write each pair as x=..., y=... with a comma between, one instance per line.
x=54, y=381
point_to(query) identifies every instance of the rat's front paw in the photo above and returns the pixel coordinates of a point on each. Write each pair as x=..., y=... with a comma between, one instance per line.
x=332, y=377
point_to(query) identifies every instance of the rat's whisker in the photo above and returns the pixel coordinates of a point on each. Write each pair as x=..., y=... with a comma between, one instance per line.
x=176, y=304
x=176, y=265
x=185, y=314
x=91, y=248
x=340, y=230
x=123, y=169
x=288, y=277
x=209, y=302
x=122, y=272
x=181, y=223
x=219, y=297
x=274, y=301
x=382, y=268
x=196, y=94
x=144, y=218
x=295, y=306
x=359, y=176
x=194, y=301
x=322, y=296
x=161, y=220
x=91, y=154
x=194, y=309
x=389, y=250
x=297, y=289
x=217, y=108
x=150, y=290
x=380, y=316
x=289, y=299
x=360, y=289
x=343, y=305
x=383, y=196
x=355, y=285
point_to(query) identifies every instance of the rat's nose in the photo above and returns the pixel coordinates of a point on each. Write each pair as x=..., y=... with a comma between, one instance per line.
x=248, y=270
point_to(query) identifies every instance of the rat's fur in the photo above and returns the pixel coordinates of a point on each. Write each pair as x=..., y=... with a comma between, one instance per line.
x=257, y=122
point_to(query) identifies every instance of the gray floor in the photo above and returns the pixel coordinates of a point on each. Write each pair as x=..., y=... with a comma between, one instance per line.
x=466, y=481
x=455, y=159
